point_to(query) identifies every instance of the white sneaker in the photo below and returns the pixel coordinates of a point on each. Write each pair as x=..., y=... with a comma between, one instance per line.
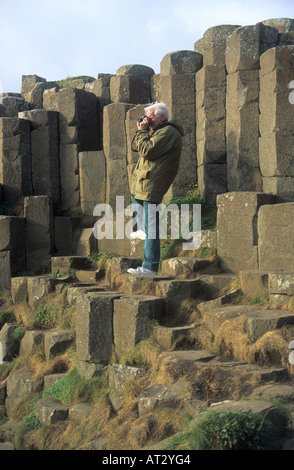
x=142, y=271
x=139, y=234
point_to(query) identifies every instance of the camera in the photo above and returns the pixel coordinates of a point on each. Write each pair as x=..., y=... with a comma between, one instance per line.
x=141, y=119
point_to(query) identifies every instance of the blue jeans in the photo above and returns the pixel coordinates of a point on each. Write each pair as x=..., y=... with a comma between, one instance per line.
x=148, y=221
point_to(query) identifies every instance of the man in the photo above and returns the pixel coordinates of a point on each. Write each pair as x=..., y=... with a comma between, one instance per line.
x=159, y=158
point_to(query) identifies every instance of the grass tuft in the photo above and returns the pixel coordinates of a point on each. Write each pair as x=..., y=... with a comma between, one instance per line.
x=73, y=388
x=235, y=430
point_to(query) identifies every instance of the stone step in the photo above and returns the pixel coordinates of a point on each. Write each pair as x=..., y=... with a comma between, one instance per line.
x=18, y=384
x=221, y=301
x=119, y=377
x=62, y=264
x=183, y=266
x=92, y=276
x=176, y=292
x=79, y=412
x=278, y=286
x=94, y=326
x=100, y=443
x=49, y=411
x=83, y=288
x=52, y=379
x=281, y=289
x=30, y=340
x=134, y=248
x=9, y=345
x=133, y=318
x=215, y=284
x=122, y=247
x=213, y=319
x=254, y=283
x=227, y=379
x=271, y=391
x=136, y=284
x=258, y=407
x=173, y=270
x=174, y=337
x=31, y=288
x=261, y=321
x=190, y=356
x=208, y=286
x=257, y=321
x=56, y=342
x=165, y=395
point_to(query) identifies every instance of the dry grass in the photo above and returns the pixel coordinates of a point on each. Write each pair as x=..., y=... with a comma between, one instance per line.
x=35, y=361
x=188, y=312
x=271, y=348
x=232, y=342
x=22, y=406
x=213, y=380
x=52, y=312
x=69, y=436
x=128, y=430
x=234, y=383
x=58, y=365
x=27, y=316
x=47, y=437
x=202, y=337
x=289, y=306
x=145, y=354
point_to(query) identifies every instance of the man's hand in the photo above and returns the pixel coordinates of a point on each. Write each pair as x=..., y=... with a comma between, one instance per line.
x=143, y=125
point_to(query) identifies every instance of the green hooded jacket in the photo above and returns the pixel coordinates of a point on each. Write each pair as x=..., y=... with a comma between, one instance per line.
x=159, y=160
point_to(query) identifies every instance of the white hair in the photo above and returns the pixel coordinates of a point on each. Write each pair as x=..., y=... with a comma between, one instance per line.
x=160, y=109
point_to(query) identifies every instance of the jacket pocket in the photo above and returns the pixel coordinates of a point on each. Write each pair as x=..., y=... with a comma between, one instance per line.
x=145, y=175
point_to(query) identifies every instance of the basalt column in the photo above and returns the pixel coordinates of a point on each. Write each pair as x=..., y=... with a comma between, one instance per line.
x=15, y=159
x=210, y=113
x=78, y=132
x=210, y=131
x=276, y=143
x=243, y=49
x=115, y=150
x=101, y=89
x=242, y=131
x=131, y=84
x=45, y=152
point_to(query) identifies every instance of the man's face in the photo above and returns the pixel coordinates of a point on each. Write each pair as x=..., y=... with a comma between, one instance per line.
x=154, y=120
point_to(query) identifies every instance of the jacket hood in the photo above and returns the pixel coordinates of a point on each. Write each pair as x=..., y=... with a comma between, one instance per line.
x=174, y=124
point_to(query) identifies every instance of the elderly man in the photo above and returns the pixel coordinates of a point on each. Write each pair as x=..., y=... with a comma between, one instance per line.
x=159, y=143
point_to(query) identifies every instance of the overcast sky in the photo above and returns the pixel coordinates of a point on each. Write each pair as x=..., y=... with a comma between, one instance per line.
x=57, y=39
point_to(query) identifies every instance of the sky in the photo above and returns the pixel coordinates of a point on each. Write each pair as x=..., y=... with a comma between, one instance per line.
x=57, y=39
